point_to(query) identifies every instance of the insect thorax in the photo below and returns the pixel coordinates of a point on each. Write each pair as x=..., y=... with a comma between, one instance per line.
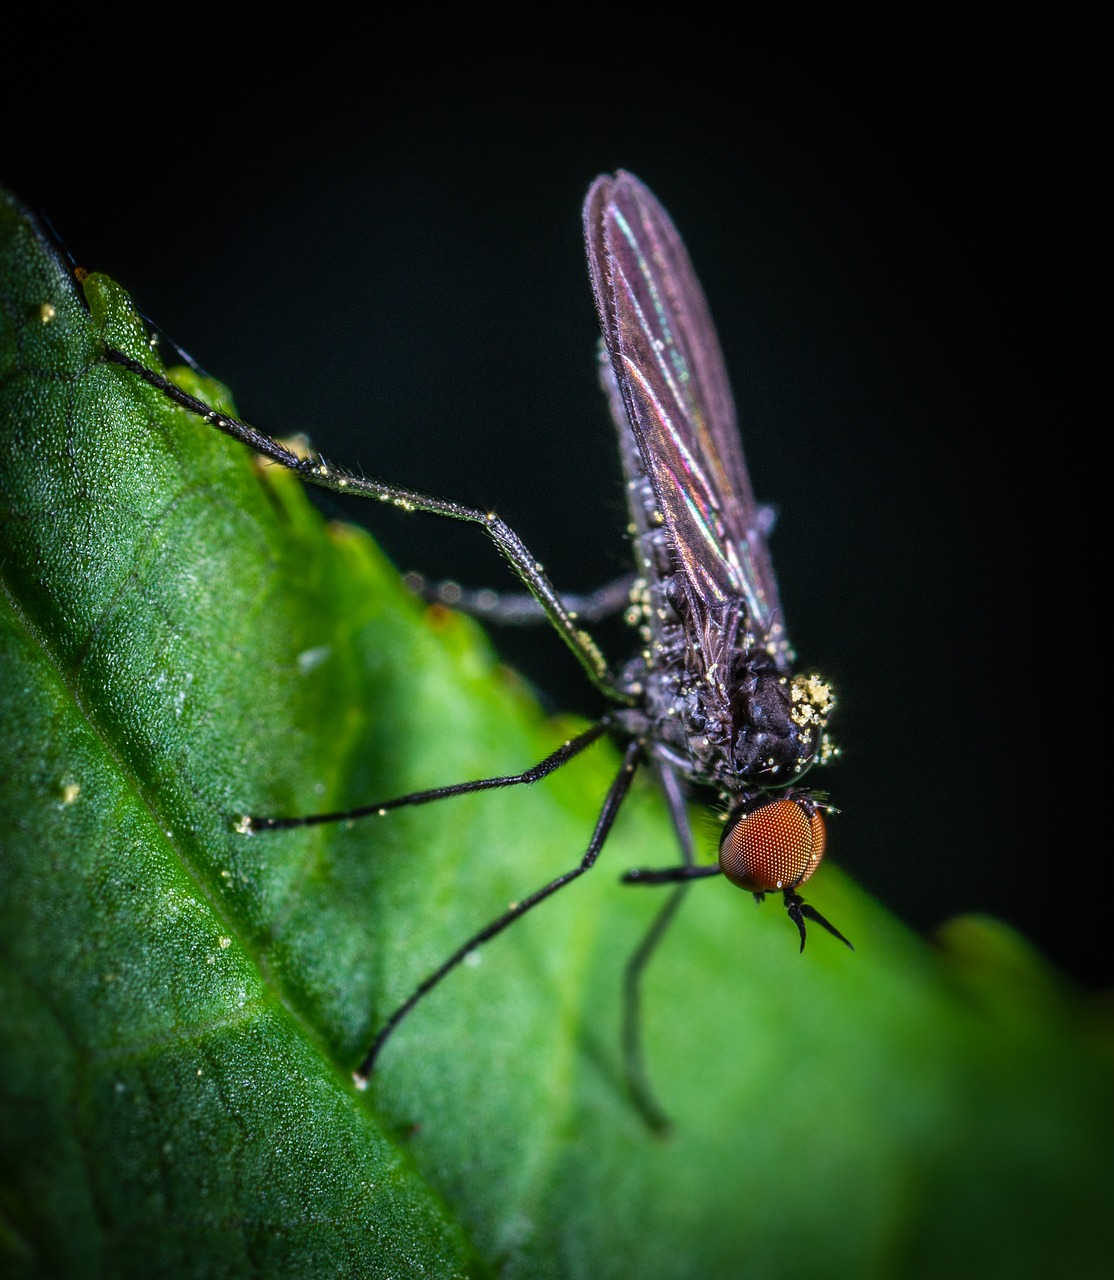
x=745, y=722
x=720, y=702
x=716, y=694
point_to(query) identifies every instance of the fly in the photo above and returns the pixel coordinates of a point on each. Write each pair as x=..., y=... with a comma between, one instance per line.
x=711, y=699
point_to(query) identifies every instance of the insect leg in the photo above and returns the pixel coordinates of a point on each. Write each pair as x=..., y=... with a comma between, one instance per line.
x=668, y=875
x=518, y=610
x=634, y=1056
x=615, y=795
x=535, y=773
x=315, y=470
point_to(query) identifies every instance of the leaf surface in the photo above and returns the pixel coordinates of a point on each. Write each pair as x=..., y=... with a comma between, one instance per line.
x=184, y=640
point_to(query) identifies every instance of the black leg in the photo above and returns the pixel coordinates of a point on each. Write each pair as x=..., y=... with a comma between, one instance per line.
x=518, y=610
x=668, y=875
x=315, y=470
x=612, y=802
x=535, y=773
x=634, y=1053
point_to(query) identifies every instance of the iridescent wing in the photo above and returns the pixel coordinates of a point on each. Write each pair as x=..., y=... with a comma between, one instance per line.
x=670, y=371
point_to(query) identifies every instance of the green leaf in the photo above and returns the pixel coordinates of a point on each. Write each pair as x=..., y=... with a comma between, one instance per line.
x=181, y=1006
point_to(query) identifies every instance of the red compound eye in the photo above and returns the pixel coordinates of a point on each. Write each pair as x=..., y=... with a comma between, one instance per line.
x=775, y=847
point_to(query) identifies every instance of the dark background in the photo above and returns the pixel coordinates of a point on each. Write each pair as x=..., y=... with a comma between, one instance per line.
x=901, y=246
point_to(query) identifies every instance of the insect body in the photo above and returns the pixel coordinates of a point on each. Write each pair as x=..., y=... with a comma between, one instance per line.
x=711, y=698
x=718, y=699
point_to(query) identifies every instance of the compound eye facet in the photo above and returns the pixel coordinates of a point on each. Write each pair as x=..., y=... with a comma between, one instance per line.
x=777, y=846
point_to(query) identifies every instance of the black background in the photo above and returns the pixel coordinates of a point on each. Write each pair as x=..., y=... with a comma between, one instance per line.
x=899, y=236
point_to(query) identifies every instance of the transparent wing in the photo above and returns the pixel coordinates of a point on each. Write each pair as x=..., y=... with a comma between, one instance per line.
x=669, y=369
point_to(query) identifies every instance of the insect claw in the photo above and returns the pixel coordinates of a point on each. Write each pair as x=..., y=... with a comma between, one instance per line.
x=813, y=914
x=800, y=911
x=659, y=1124
x=795, y=916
